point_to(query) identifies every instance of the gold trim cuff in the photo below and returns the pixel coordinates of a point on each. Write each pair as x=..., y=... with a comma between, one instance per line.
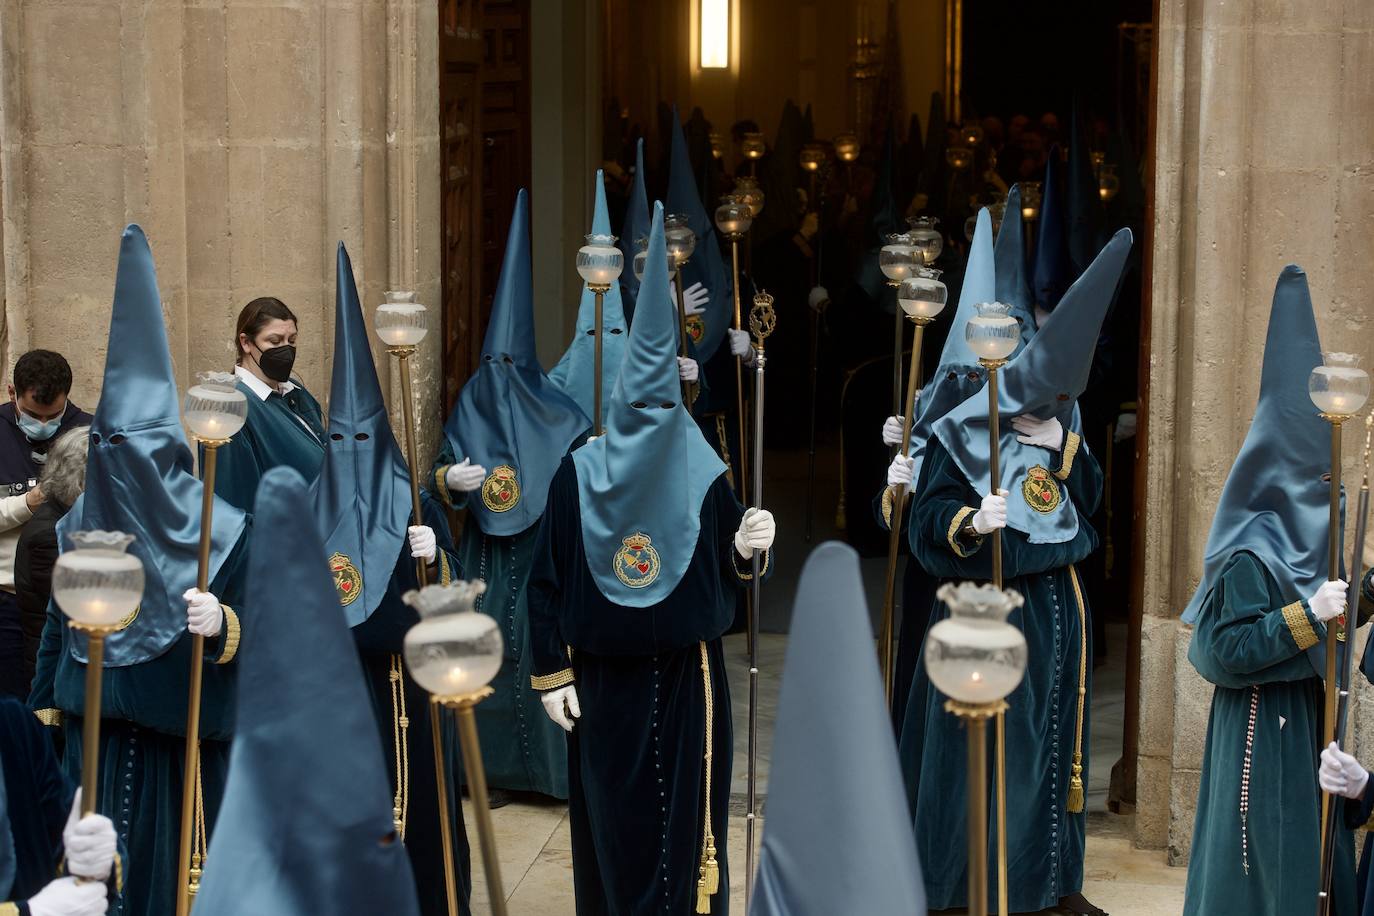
x=441, y=487
x=953, y=533
x=51, y=717
x=1071, y=445
x=1299, y=627
x=748, y=576
x=552, y=681
x=445, y=573
x=232, y=634
x=9, y=909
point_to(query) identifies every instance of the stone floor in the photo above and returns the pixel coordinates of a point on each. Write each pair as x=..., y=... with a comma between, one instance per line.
x=536, y=856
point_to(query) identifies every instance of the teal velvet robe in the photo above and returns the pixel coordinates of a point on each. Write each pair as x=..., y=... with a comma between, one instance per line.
x=522, y=749
x=1045, y=717
x=636, y=771
x=1249, y=641
x=272, y=436
x=380, y=639
x=143, y=709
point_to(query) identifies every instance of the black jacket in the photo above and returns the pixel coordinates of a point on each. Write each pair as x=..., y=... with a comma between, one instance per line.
x=33, y=563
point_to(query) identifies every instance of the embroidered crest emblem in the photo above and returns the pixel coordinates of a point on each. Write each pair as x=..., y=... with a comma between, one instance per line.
x=636, y=563
x=696, y=328
x=347, y=580
x=1041, y=490
x=500, y=491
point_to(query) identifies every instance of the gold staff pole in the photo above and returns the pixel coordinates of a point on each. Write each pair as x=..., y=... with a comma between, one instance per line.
x=403, y=355
x=401, y=323
x=599, y=263
x=214, y=410
x=477, y=787
x=681, y=241
x=600, y=293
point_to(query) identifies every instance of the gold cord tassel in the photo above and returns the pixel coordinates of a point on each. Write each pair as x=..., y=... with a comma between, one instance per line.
x=1075, y=802
x=708, y=881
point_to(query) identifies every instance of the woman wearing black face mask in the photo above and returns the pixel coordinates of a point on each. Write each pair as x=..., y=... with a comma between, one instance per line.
x=284, y=421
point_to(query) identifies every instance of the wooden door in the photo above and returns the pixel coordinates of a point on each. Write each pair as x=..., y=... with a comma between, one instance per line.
x=505, y=77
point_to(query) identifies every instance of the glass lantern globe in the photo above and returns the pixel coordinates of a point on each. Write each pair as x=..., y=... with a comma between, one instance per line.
x=971, y=134
x=997, y=211
x=98, y=584
x=753, y=145
x=400, y=320
x=847, y=147
x=1030, y=201
x=599, y=262
x=215, y=409
x=925, y=238
x=993, y=333
x=642, y=255
x=970, y=227
x=717, y=145
x=454, y=650
x=679, y=238
x=898, y=258
x=1108, y=182
x=812, y=157
x=1339, y=387
x=959, y=157
x=733, y=217
x=922, y=295
x=975, y=656
x=747, y=190
x=1098, y=158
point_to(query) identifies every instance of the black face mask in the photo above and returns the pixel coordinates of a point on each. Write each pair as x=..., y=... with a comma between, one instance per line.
x=276, y=363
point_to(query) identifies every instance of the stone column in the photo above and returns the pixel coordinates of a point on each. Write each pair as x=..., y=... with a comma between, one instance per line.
x=1264, y=156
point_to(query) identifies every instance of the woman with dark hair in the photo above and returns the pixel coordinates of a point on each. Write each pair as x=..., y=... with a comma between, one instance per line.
x=63, y=479
x=284, y=420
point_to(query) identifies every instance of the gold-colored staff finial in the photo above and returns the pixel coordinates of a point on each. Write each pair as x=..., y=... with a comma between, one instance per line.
x=762, y=318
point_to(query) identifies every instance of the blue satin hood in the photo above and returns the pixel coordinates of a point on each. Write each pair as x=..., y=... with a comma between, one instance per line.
x=1044, y=381
x=510, y=418
x=635, y=227
x=641, y=485
x=139, y=477
x=575, y=373
x=1275, y=503
x=1053, y=272
x=706, y=265
x=362, y=496
x=839, y=837
x=1010, y=255
x=306, y=824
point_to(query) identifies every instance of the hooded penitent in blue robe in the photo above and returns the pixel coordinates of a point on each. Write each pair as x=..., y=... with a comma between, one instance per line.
x=635, y=578
x=837, y=838
x=362, y=507
x=307, y=825
x=575, y=373
x=1047, y=724
x=514, y=421
x=706, y=265
x=139, y=480
x=1256, y=640
x=634, y=228
x=1052, y=271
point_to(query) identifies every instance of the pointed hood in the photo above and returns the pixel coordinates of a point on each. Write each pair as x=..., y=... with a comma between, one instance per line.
x=1044, y=381
x=706, y=265
x=635, y=227
x=838, y=837
x=884, y=220
x=575, y=373
x=958, y=374
x=306, y=825
x=638, y=533
x=1053, y=271
x=1087, y=218
x=779, y=179
x=139, y=476
x=1275, y=503
x=362, y=496
x=510, y=418
x=933, y=169
x=1010, y=254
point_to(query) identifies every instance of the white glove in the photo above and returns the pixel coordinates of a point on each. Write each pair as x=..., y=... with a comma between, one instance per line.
x=899, y=472
x=1125, y=427
x=687, y=369
x=892, y=431
x=756, y=532
x=695, y=299
x=1329, y=601
x=741, y=345
x=64, y=897
x=1341, y=774
x=204, y=616
x=423, y=545
x=992, y=515
x=1044, y=433
x=89, y=842
x=561, y=706
x=818, y=298
x=464, y=477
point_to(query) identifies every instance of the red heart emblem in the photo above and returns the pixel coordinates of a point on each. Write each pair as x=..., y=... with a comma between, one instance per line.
x=346, y=586
x=504, y=496
x=643, y=568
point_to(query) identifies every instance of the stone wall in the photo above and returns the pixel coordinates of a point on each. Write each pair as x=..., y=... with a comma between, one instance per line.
x=1264, y=157
x=248, y=137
